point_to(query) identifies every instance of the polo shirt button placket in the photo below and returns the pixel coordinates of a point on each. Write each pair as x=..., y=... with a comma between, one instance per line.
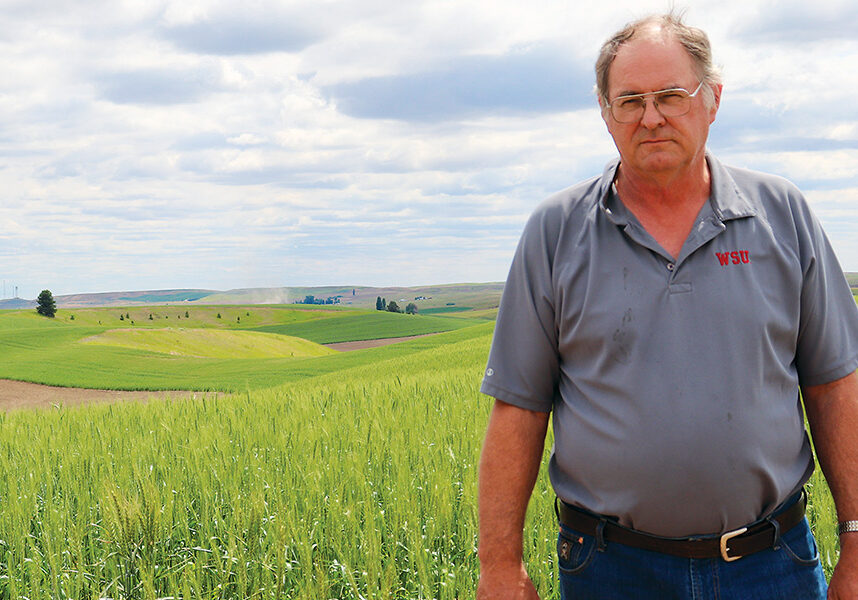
x=671, y=266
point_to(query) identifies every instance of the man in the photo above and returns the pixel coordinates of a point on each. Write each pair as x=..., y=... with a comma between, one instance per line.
x=668, y=312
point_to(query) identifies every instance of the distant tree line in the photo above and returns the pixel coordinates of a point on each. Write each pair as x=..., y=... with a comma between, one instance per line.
x=314, y=300
x=392, y=306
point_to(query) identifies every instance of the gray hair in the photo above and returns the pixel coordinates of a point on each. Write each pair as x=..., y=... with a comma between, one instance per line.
x=694, y=40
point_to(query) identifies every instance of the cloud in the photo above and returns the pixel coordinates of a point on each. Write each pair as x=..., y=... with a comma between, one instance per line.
x=159, y=86
x=744, y=125
x=535, y=80
x=799, y=23
x=215, y=144
x=250, y=30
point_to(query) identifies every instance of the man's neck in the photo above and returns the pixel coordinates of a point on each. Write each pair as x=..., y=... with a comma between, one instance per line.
x=665, y=206
x=667, y=192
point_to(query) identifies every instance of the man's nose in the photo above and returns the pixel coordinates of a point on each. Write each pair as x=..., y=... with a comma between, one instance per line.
x=652, y=117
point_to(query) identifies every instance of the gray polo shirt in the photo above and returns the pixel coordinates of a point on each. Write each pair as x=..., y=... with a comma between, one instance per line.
x=674, y=384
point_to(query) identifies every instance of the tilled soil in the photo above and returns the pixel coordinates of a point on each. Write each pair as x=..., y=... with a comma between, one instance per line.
x=361, y=344
x=21, y=394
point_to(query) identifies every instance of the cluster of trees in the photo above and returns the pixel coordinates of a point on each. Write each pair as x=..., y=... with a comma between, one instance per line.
x=314, y=300
x=392, y=306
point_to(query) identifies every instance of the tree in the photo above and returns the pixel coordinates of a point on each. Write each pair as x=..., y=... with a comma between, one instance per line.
x=45, y=304
x=411, y=309
x=384, y=304
x=393, y=307
x=378, y=305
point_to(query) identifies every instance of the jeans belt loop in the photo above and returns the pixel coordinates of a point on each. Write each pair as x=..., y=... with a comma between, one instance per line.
x=776, y=542
x=601, y=546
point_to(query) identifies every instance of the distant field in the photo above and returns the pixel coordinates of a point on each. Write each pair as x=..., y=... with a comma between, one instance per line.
x=210, y=343
x=476, y=295
x=51, y=351
x=224, y=317
x=347, y=327
x=467, y=313
x=444, y=309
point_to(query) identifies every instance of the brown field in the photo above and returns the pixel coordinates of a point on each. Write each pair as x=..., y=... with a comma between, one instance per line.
x=21, y=394
x=361, y=344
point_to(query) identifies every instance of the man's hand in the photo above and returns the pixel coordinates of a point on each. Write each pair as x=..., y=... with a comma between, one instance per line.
x=509, y=464
x=844, y=582
x=506, y=584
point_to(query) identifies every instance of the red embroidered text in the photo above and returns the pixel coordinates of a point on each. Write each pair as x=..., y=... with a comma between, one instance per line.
x=735, y=257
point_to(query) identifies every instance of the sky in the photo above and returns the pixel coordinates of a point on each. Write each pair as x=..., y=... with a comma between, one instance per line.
x=221, y=145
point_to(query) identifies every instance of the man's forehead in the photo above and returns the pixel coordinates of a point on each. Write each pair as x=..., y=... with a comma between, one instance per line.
x=649, y=63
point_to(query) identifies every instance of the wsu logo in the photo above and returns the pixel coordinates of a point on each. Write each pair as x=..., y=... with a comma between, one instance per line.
x=736, y=257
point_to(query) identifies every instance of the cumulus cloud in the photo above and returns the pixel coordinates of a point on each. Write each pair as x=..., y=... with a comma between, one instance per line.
x=209, y=144
x=799, y=23
x=533, y=80
x=157, y=85
x=245, y=32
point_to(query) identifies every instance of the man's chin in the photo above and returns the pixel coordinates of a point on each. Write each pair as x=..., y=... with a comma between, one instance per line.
x=657, y=162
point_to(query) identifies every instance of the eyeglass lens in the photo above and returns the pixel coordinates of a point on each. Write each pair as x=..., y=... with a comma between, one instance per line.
x=670, y=103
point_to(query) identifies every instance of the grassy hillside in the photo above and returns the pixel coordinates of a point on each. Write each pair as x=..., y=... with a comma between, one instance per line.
x=224, y=317
x=347, y=327
x=51, y=351
x=210, y=343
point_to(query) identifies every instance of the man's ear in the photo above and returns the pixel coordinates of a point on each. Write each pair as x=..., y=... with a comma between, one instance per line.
x=603, y=110
x=716, y=92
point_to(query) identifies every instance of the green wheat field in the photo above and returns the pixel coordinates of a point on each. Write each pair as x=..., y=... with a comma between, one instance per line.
x=292, y=472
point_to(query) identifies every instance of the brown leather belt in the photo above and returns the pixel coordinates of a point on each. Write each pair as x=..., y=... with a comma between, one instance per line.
x=730, y=546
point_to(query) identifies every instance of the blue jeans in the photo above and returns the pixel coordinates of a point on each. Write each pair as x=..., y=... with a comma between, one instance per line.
x=790, y=570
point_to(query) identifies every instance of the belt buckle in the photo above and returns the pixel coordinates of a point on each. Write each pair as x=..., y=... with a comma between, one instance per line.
x=726, y=538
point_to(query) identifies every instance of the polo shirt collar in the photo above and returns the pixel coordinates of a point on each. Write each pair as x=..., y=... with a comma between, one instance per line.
x=726, y=199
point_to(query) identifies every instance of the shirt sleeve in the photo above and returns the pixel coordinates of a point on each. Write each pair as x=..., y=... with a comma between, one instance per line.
x=523, y=365
x=827, y=345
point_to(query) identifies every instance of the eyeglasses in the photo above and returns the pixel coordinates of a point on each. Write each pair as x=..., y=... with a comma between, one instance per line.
x=674, y=102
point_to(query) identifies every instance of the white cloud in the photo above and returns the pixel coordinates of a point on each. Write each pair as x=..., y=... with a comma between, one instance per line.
x=217, y=145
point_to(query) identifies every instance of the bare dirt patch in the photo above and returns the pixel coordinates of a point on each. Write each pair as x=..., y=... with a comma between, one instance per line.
x=21, y=394
x=362, y=344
